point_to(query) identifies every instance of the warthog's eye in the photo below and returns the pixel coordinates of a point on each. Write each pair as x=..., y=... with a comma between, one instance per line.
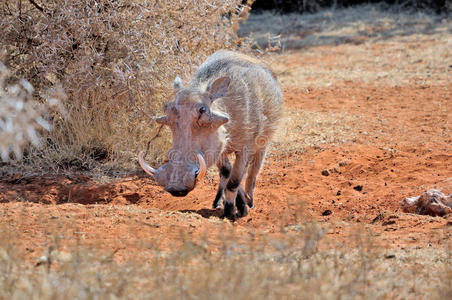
x=202, y=110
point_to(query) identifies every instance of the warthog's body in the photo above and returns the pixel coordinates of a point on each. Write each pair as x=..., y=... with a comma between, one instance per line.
x=232, y=105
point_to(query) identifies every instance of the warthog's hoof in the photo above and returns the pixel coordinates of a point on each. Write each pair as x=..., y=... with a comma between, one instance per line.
x=242, y=207
x=229, y=212
x=242, y=211
x=250, y=203
x=218, y=204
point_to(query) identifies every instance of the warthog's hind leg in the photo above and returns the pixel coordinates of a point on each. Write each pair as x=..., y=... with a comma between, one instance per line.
x=254, y=167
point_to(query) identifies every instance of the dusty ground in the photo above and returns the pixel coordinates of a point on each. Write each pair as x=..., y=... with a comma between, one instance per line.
x=380, y=137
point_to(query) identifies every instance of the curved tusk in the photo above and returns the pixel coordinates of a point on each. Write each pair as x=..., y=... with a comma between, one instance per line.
x=202, y=167
x=148, y=169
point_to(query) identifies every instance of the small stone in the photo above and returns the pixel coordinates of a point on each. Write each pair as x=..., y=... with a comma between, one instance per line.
x=325, y=173
x=358, y=188
x=339, y=192
x=53, y=217
x=42, y=260
x=431, y=202
x=327, y=212
x=389, y=256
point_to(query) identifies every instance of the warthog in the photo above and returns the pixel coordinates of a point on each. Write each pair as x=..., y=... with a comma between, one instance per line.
x=232, y=105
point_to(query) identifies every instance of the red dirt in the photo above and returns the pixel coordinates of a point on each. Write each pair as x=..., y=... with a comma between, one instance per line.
x=403, y=149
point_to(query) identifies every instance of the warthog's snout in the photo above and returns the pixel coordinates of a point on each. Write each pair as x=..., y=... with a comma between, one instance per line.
x=176, y=178
x=177, y=192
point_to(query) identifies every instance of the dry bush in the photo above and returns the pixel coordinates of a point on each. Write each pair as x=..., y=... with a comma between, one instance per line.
x=116, y=61
x=21, y=118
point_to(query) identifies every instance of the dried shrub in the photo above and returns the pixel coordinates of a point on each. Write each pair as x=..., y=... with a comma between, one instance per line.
x=116, y=61
x=21, y=118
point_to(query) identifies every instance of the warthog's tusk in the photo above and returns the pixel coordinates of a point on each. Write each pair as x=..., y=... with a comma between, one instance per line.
x=202, y=167
x=148, y=169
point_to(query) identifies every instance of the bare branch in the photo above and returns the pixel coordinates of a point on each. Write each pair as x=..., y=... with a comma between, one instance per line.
x=36, y=5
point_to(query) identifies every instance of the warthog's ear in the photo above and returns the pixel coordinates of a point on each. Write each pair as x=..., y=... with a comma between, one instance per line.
x=218, y=88
x=162, y=120
x=177, y=83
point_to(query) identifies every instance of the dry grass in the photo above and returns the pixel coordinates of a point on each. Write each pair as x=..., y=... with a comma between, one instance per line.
x=369, y=44
x=116, y=61
x=396, y=62
x=252, y=267
x=338, y=26
x=301, y=129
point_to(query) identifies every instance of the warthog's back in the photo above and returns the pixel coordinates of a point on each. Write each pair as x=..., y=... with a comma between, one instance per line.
x=253, y=102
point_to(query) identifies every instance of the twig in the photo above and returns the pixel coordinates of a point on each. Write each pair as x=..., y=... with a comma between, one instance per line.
x=142, y=111
x=40, y=8
x=150, y=225
x=132, y=100
x=20, y=9
x=150, y=141
x=36, y=5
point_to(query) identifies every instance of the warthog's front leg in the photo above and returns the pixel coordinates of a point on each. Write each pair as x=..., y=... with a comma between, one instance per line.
x=225, y=173
x=241, y=203
x=234, y=191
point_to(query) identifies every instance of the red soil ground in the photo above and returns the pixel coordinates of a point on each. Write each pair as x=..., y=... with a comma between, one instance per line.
x=403, y=148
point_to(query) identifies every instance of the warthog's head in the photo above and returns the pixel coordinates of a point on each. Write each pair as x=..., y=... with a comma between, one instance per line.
x=198, y=137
